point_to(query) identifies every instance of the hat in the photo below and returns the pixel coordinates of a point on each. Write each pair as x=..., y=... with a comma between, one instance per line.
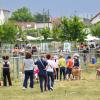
x=61, y=55
x=55, y=57
x=76, y=55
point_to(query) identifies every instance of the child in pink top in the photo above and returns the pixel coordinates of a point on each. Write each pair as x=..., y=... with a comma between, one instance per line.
x=36, y=71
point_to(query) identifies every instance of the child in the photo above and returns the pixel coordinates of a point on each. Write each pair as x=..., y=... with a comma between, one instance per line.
x=69, y=67
x=36, y=71
x=6, y=71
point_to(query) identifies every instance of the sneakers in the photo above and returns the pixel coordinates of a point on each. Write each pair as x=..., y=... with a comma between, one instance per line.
x=23, y=88
x=51, y=88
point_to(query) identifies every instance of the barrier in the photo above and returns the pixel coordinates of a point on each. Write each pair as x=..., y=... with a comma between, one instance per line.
x=17, y=62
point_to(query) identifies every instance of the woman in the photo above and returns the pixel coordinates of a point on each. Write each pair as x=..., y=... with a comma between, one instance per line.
x=55, y=60
x=28, y=70
x=50, y=72
x=41, y=64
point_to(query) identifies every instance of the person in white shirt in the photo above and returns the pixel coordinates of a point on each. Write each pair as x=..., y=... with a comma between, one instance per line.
x=50, y=72
x=28, y=70
x=55, y=60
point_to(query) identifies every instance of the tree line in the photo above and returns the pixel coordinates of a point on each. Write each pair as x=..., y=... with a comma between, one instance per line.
x=70, y=29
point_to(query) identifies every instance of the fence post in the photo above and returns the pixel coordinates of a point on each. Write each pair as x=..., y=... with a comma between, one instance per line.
x=17, y=64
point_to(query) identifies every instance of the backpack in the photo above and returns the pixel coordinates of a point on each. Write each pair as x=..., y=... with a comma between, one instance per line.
x=5, y=65
x=76, y=62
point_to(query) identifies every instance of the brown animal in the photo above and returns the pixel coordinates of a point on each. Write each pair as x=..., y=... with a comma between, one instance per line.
x=98, y=71
x=76, y=72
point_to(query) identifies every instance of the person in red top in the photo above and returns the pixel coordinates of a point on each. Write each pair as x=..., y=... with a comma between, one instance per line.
x=69, y=67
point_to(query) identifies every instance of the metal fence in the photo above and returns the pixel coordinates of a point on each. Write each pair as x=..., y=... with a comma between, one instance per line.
x=17, y=62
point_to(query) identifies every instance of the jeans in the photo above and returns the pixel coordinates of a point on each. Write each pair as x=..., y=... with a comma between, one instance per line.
x=50, y=76
x=43, y=78
x=57, y=71
x=62, y=71
x=6, y=74
x=28, y=74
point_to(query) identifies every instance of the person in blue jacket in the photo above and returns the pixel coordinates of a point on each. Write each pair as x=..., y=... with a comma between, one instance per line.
x=41, y=64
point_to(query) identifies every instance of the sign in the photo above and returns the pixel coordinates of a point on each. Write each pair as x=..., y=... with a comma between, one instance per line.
x=67, y=47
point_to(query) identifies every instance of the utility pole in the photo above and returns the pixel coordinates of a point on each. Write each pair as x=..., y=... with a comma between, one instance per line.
x=48, y=18
x=43, y=15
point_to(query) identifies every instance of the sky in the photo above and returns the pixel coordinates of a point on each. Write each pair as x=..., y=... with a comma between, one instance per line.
x=56, y=7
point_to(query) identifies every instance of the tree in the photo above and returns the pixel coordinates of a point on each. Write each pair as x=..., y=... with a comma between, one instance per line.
x=61, y=29
x=55, y=32
x=43, y=18
x=70, y=29
x=45, y=32
x=1, y=32
x=64, y=29
x=95, y=30
x=76, y=29
x=22, y=14
x=9, y=31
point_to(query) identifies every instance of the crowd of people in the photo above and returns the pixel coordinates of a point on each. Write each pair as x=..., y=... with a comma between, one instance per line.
x=46, y=68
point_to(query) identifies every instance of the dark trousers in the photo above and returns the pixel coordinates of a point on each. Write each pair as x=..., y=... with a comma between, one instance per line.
x=62, y=71
x=56, y=75
x=6, y=75
x=43, y=79
x=50, y=77
x=28, y=74
x=69, y=72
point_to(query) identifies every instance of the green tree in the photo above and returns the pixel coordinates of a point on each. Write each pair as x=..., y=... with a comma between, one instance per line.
x=95, y=30
x=1, y=32
x=45, y=32
x=22, y=14
x=64, y=29
x=69, y=29
x=43, y=18
x=9, y=31
x=76, y=29
x=61, y=29
x=55, y=32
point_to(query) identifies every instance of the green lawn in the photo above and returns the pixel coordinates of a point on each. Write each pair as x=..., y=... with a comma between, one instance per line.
x=86, y=89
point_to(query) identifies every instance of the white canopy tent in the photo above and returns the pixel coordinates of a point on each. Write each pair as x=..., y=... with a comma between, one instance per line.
x=91, y=38
x=31, y=38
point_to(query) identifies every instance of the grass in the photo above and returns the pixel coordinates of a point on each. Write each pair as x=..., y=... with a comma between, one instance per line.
x=86, y=89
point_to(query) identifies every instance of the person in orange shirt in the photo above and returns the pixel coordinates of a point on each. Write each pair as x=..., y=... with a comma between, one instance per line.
x=69, y=67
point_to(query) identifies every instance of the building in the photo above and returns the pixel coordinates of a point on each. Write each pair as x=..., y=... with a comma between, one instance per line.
x=43, y=25
x=95, y=19
x=26, y=25
x=33, y=25
x=4, y=15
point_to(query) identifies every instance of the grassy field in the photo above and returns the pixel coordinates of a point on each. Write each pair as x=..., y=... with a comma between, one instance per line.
x=88, y=88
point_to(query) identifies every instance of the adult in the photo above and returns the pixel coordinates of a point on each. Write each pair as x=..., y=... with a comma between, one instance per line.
x=55, y=60
x=41, y=64
x=28, y=70
x=62, y=66
x=50, y=72
x=76, y=66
